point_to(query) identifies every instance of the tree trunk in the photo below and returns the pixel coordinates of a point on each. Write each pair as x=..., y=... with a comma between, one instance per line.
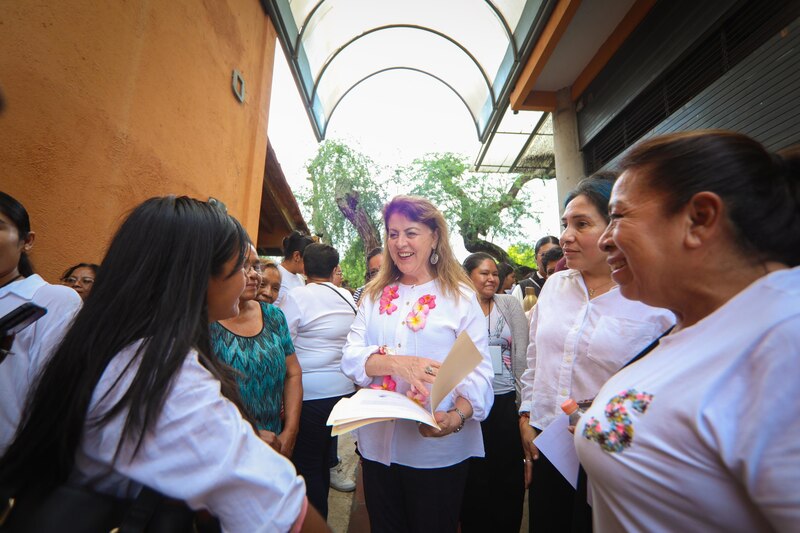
x=475, y=244
x=352, y=211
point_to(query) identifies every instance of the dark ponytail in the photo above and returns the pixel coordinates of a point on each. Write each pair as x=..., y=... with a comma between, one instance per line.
x=295, y=242
x=16, y=212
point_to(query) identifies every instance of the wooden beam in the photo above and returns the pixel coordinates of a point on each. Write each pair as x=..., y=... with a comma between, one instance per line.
x=553, y=31
x=607, y=50
x=539, y=101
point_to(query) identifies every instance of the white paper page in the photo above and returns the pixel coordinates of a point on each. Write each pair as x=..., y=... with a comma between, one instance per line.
x=557, y=444
x=346, y=427
x=368, y=406
x=462, y=359
x=379, y=404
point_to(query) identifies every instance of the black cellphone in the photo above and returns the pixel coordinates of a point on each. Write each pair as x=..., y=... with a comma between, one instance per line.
x=20, y=318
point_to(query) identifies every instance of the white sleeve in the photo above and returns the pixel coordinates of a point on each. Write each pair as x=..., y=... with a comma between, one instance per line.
x=291, y=310
x=755, y=423
x=477, y=386
x=516, y=292
x=203, y=452
x=62, y=304
x=356, y=350
x=530, y=369
x=282, y=292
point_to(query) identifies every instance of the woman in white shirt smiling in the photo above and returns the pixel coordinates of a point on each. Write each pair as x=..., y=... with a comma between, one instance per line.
x=319, y=317
x=582, y=331
x=703, y=433
x=409, y=317
x=133, y=393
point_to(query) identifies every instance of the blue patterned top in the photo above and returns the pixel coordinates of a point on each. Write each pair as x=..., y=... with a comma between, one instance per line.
x=261, y=363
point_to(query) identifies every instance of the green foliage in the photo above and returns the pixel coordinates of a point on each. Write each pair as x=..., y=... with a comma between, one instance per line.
x=486, y=205
x=336, y=171
x=523, y=254
x=354, y=264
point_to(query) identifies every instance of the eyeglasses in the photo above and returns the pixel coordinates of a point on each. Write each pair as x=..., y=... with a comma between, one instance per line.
x=83, y=281
x=258, y=268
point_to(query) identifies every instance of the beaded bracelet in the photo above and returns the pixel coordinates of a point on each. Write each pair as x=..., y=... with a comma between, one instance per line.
x=463, y=418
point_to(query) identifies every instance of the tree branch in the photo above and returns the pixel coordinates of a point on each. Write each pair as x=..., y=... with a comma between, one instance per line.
x=351, y=209
x=507, y=199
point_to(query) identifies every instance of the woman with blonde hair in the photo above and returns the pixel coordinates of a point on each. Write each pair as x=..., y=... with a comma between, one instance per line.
x=409, y=317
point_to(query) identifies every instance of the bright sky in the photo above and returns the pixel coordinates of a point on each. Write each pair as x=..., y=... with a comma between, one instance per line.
x=393, y=118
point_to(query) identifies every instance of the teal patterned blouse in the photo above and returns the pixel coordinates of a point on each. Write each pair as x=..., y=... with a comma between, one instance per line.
x=261, y=363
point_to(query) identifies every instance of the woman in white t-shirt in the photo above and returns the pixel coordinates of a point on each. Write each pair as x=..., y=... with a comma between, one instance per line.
x=292, y=268
x=703, y=432
x=134, y=397
x=319, y=317
x=582, y=331
x=19, y=285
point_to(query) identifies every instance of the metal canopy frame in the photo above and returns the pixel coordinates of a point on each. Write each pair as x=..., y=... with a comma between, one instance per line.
x=483, y=89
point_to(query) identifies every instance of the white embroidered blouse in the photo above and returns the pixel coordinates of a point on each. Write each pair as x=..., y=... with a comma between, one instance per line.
x=399, y=441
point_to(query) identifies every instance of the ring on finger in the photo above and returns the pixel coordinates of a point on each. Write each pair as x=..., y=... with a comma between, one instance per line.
x=429, y=370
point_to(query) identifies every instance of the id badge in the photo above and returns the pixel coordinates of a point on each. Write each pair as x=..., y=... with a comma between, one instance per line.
x=497, y=359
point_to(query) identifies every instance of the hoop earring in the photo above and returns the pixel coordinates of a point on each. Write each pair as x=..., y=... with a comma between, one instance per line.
x=434, y=257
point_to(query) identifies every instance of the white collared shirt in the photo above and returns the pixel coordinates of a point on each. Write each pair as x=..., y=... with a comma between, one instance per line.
x=399, y=442
x=33, y=345
x=319, y=317
x=715, y=441
x=200, y=451
x=576, y=343
x=289, y=281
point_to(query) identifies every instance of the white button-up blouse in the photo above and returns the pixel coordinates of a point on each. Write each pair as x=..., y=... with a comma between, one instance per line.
x=576, y=343
x=32, y=346
x=200, y=450
x=399, y=441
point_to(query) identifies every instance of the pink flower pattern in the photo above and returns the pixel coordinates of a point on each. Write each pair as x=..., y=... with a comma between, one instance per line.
x=418, y=315
x=386, y=305
x=415, y=320
x=387, y=384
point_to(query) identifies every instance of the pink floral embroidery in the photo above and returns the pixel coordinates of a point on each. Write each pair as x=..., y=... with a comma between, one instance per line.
x=429, y=300
x=416, y=396
x=387, y=384
x=416, y=321
x=418, y=315
x=386, y=305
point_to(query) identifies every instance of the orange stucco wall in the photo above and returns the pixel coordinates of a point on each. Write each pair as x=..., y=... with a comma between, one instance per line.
x=110, y=103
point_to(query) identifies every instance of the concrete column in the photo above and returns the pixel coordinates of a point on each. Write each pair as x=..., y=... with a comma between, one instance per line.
x=569, y=160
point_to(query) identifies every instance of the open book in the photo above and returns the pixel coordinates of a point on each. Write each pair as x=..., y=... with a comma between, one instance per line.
x=368, y=406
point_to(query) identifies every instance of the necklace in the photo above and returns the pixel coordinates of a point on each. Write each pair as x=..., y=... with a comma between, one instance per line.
x=488, y=317
x=592, y=292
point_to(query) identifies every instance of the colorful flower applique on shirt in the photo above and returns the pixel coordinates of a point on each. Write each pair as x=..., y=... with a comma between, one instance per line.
x=620, y=433
x=418, y=315
x=386, y=305
x=387, y=384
